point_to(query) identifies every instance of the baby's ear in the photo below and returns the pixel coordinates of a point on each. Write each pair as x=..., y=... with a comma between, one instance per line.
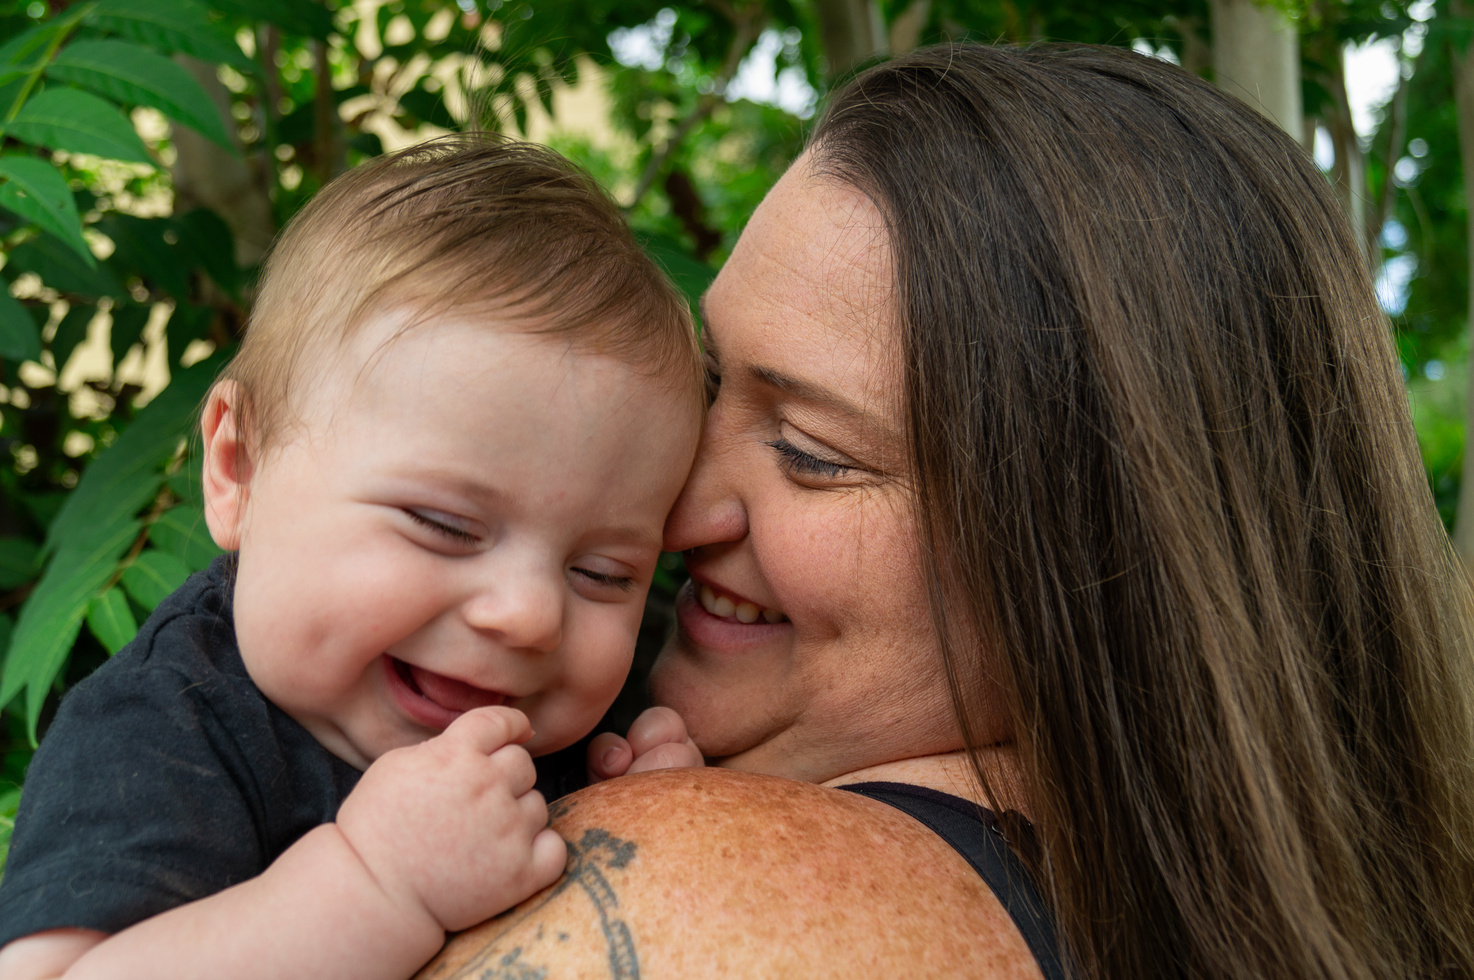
x=227, y=468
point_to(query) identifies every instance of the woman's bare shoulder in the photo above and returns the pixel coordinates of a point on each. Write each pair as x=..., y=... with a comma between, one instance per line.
x=705, y=872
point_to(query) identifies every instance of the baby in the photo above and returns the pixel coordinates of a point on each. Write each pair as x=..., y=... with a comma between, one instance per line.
x=442, y=458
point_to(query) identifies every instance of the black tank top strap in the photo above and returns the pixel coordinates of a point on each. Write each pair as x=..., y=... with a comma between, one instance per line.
x=973, y=831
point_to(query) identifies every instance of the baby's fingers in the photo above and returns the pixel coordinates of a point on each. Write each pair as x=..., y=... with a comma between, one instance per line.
x=671, y=755
x=549, y=857
x=488, y=729
x=515, y=772
x=656, y=726
x=609, y=756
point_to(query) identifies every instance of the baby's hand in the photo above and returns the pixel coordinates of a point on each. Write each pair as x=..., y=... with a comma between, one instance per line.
x=658, y=740
x=452, y=825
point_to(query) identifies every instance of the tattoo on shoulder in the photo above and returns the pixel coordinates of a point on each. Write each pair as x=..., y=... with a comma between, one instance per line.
x=510, y=950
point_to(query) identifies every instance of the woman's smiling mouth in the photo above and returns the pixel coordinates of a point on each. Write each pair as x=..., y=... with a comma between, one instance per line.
x=727, y=607
x=432, y=699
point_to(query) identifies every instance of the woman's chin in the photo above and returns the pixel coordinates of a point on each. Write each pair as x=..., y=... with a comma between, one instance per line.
x=717, y=709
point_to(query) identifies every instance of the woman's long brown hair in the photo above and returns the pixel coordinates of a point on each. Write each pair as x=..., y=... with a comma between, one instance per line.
x=1175, y=515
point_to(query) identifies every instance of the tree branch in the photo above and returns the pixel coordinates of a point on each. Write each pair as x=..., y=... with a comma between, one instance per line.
x=749, y=25
x=1396, y=124
x=326, y=122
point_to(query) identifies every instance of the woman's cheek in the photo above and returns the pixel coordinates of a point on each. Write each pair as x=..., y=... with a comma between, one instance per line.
x=833, y=570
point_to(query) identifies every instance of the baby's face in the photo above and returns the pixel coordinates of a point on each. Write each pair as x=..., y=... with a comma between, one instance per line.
x=467, y=515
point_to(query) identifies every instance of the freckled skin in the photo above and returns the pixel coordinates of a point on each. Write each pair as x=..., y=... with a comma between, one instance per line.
x=739, y=875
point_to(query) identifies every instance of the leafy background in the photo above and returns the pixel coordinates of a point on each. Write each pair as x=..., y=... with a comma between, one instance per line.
x=149, y=149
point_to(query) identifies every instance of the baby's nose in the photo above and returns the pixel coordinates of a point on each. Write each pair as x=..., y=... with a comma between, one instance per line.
x=522, y=612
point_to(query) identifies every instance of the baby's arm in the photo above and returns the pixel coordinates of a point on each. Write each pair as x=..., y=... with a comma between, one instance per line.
x=657, y=740
x=435, y=838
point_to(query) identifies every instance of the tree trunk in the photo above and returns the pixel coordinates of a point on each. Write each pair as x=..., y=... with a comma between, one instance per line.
x=1256, y=56
x=1196, y=56
x=906, y=28
x=1463, y=65
x=206, y=175
x=1348, y=173
x=329, y=151
x=850, y=31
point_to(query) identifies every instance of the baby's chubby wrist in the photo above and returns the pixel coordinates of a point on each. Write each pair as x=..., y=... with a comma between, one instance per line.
x=388, y=915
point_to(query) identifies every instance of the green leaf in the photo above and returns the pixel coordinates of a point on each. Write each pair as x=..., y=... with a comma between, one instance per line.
x=186, y=324
x=60, y=268
x=111, y=620
x=37, y=191
x=134, y=75
x=207, y=239
x=27, y=51
x=52, y=615
x=691, y=275
x=19, y=338
x=366, y=144
x=127, y=475
x=141, y=248
x=70, y=332
x=42, y=506
x=18, y=563
x=185, y=484
x=127, y=329
x=152, y=576
x=7, y=629
x=301, y=17
x=298, y=125
x=12, y=84
x=78, y=122
x=9, y=804
x=181, y=531
x=428, y=107
x=169, y=26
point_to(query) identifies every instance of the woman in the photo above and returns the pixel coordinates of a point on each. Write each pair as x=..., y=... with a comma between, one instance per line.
x=1059, y=451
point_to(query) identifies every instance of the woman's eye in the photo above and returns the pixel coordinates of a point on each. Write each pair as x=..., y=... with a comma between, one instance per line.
x=440, y=527
x=796, y=461
x=621, y=582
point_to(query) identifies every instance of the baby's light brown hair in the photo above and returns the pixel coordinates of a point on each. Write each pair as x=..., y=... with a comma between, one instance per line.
x=463, y=224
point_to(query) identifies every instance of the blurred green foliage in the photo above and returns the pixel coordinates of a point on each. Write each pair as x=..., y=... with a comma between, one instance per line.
x=118, y=118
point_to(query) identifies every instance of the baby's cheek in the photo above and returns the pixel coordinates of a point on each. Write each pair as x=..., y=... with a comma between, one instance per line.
x=595, y=662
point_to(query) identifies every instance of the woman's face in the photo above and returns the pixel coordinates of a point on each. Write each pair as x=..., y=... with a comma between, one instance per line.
x=804, y=645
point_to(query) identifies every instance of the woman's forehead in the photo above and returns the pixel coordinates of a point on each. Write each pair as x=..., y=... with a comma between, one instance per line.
x=819, y=225
x=807, y=295
x=815, y=249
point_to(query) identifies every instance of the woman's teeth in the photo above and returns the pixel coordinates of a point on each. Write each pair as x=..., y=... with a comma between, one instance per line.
x=743, y=612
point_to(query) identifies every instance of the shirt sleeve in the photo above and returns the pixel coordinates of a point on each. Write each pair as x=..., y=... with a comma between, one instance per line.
x=133, y=805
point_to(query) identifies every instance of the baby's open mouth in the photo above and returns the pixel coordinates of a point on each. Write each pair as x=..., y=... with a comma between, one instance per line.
x=446, y=692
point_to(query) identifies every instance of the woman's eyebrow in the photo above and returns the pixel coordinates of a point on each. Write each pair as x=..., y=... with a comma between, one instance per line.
x=814, y=394
x=804, y=390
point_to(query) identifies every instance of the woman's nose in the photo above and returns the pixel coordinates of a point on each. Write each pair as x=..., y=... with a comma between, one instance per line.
x=519, y=611
x=709, y=510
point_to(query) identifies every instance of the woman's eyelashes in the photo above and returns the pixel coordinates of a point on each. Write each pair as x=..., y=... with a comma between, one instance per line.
x=713, y=373
x=796, y=462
